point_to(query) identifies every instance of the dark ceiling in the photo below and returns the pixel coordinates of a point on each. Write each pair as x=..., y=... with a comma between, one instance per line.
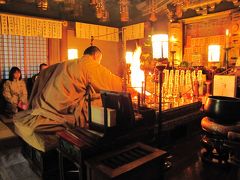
x=81, y=10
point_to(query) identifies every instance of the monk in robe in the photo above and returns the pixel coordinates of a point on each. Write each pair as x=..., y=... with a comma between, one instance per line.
x=59, y=98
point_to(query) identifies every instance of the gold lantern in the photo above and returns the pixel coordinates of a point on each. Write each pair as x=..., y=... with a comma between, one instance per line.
x=42, y=4
x=124, y=11
x=3, y=2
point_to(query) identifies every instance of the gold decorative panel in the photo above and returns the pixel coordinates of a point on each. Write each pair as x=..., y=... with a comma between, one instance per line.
x=175, y=29
x=199, y=35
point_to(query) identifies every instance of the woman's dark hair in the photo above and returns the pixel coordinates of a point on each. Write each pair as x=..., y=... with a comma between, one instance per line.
x=12, y=71
x=91, y=50
x=42, y=65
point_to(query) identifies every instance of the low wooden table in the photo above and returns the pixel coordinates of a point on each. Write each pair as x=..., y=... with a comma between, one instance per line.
x=75, y=149
x=77, y=146
x=135, y=161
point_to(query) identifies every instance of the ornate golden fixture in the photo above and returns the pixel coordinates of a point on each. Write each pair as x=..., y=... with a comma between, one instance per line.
x=42, y=4
x=93, y=2
x=100, y=8
x=124, y=11
x=153, y=7
x=101, y=12
x=105, y=16
x=3, y=2
x=204, y=4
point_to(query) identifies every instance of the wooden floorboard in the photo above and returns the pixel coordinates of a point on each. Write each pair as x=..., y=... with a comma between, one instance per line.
x=13, y=166
x=187, y=164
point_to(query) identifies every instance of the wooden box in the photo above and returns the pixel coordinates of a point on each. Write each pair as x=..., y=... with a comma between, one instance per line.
x=44, y=164
x=225, y=85
x=136, y=161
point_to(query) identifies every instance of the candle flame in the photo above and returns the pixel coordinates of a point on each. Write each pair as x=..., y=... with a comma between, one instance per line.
x=173, y=39
x=227, y=32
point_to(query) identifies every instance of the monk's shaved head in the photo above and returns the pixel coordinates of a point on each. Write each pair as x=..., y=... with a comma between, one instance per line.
x=91, y=50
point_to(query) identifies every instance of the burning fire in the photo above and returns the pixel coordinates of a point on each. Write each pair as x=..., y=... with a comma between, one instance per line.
x=137, y=75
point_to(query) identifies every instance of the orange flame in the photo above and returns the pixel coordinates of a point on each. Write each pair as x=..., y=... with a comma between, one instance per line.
x=137, y=75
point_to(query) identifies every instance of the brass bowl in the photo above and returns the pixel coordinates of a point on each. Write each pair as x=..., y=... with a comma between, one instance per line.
x=223, y=109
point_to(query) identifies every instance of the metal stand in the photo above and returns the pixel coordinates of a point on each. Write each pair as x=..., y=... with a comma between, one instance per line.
x=172, y=54
x=227, y=49
x=160, y=69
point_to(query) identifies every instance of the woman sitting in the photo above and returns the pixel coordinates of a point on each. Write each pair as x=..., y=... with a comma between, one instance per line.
x=15, y=93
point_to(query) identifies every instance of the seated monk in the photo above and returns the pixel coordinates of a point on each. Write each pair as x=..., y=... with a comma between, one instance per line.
x=58, y=99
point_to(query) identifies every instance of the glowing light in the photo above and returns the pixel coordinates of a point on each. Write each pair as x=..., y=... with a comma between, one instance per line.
x=213, y=53
x=137, y=75
x=3, y=1
x=72, y=54
x=173, y=39
x=173, y=42
x=129, y=57
x=160, y=45
x=42, y=4
x=227, y=38
x=227, y=32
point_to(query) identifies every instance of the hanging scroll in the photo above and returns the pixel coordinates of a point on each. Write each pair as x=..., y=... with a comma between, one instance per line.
x=27, y=26
x=34, y=27
x=22, y=26
x=98, y=32
x=17, y=26
x=11, y=25
x=4, y=24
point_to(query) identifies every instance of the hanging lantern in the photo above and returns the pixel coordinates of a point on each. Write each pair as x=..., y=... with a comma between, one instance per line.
x=99, y=12
x=93, y=2
x=3, y=2
x=124, y=10
x=100, y=9
x=105, y=16
x=153, y=17
x=42, y=4
x=152, y=9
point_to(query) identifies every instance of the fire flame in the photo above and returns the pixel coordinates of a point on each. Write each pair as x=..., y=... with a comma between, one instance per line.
x=137, y=75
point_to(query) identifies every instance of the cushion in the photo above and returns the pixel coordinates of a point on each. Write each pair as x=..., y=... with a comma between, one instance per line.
x=40, y=140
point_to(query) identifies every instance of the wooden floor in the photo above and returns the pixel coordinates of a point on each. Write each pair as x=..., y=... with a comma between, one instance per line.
x=186, y=163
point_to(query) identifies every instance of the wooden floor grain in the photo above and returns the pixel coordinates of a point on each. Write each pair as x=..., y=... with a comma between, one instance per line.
x=187, y=164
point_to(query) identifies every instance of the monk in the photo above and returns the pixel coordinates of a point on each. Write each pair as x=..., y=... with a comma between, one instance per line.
x=59, y=97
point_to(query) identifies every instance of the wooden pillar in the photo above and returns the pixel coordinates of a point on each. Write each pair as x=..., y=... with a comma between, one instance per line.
x=54, y=51
x=64, y=44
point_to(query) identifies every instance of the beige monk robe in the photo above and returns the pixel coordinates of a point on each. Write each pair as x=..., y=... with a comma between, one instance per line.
x=58, y=99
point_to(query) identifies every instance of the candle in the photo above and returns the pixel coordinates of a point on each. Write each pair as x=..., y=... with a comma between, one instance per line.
x=162, y=48
x=129, y=57
x=227, y=38
x=173, y=40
